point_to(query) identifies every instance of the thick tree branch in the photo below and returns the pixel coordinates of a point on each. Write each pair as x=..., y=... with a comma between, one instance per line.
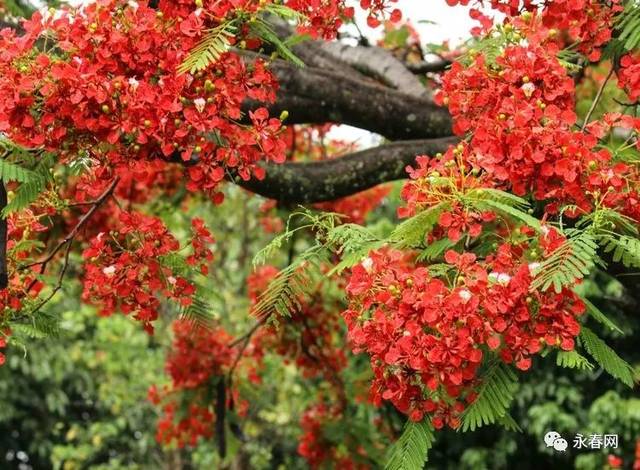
x=354, y=61
x=305, y=183
x=380, y=64
x=312, y=52
x=4, y=274
x=313, y=96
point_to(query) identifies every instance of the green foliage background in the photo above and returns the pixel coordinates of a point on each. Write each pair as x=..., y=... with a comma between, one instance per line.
x=78, y=400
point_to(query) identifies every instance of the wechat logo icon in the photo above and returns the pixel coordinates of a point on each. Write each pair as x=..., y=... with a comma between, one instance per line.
x=555, y=440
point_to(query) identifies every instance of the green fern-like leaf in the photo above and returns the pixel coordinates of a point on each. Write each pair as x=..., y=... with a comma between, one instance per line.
x=176, y=263
x=199, y=313
x=290, y=285
x=605, y=218
x=26, y=194
x=43, y=324
x=435, y=250
x=353, y=242
x=573, y=360
x=28, y=330
x=284, y=12
x=494, y=397
x=213, y=45
x=628, y=26
x=570, y=59
x=607, y=357
x=624, y=249
x=412, y=232
x=494, y=200
x=508, y=423
x=12, y=172
x=29, y=190
x=410, y=451
x=600, y=317
x=500, y=196
x=269, y=250
x=262, y=30
x=325, y=223
x=569, y=262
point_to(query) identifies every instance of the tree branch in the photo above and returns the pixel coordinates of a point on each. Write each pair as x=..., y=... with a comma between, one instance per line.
x=68, y=241
x=314, y=96
x=95, y=204
x=305, y=183
x=4, y=272
x=439, y=65
x=380, y=64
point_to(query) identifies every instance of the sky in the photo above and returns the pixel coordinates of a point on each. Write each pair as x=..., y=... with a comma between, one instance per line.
x=445, y=22
x=450, y=22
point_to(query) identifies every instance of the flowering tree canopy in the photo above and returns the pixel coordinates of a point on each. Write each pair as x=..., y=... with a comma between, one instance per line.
x=124, y=124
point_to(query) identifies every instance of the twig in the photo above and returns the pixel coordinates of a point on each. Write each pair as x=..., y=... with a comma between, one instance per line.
x=596, y=100
x=247, y=336
x=429, y=67
x=68, y=242
x=74, y=232
x=58, y=285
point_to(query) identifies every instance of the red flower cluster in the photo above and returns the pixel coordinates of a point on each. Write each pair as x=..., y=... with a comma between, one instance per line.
x=23, y=229
x=124, y=270
x=586, y=23
x=378, y=10
x=198, y=422
x=198, y=357
x=629, y=75
x=317, y=448
x=3, y=344
x=324, y=17
x=443, y=180
x=518, y=111
x=427, y=332
x=113, y=90
x=200, y=241
x=198, y=354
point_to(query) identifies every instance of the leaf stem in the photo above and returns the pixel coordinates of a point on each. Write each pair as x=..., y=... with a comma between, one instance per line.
x=596, y=100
